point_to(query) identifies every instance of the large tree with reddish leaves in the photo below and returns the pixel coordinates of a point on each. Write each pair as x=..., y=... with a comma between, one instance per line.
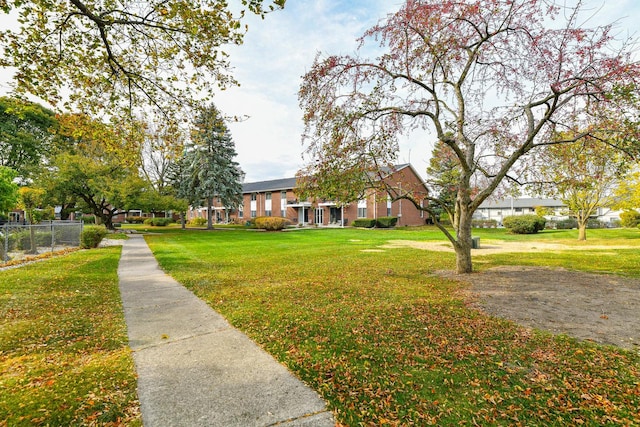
x=489, y=78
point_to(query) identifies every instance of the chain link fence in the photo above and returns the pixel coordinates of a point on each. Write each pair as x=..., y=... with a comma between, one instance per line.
x=19, y=241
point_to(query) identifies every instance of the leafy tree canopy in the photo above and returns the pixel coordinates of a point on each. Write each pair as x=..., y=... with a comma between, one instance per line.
x=8, y=189
x=627, y=194
x=27, y=132
x=116, y=57
x=583, y=174
x=98, y=171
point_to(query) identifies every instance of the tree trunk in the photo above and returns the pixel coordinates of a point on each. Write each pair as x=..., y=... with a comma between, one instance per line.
x=106, y=218
x=108, y=223
x=209, y=219
x=182, y=220
x=463, y=245
x=582, y=219
x=32, y=235
x=582, y=231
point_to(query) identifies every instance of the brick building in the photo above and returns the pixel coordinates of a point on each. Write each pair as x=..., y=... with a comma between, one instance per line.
x=277, y=198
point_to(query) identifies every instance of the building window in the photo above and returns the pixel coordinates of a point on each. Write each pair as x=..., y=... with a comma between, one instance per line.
x=254, y=214
x=422, y=206
x=388, y=205
x=283, y=204
x=362, y=208
x=268, y=196
x=254, y=197
x=267, y=213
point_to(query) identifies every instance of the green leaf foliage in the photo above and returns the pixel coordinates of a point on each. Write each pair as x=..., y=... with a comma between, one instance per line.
x=387, y=221
x=207, y=168
x=524, y=224
x=364, y=223
x=125, y=56
x=8, y=189
x=630, y=218
x=27, y=133
x=91, y=236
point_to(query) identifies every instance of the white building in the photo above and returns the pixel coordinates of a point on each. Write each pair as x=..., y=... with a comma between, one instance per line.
x=497, y=210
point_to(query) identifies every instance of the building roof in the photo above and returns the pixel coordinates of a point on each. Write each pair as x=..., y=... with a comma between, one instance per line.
x=271, y=185
x=524, y=202
x=290, y=183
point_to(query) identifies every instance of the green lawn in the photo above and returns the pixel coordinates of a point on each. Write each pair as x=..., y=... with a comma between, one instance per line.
x=386, y=341
x=64, y=358
x=375, y=331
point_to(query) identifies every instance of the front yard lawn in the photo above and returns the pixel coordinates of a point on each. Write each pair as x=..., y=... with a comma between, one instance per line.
x=387, y=341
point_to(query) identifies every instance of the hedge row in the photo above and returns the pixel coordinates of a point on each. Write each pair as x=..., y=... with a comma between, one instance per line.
x=158, y=222
x=382, y=222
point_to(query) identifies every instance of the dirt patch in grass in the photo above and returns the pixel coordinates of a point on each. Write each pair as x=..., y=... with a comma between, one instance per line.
x=596, y=307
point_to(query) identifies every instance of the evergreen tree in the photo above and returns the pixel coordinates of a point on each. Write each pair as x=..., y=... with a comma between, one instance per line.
x=207, y=169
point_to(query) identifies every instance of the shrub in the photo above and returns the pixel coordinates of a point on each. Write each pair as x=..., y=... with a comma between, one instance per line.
x=271, y=223
x=524, y=224
x=630, y=218
x=595, y=223
x=566, y=224
x=387, y=221
x=92, y=236
x=135, y=219
x=88, y=219
x=364, y=222
x=158, y=222
x=197, y=222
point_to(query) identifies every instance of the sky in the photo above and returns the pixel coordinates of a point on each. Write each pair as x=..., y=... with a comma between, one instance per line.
x=278, y=50
x=276, y=53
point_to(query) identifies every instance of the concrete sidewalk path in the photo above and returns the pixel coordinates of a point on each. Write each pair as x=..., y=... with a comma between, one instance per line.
x=194, y=368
